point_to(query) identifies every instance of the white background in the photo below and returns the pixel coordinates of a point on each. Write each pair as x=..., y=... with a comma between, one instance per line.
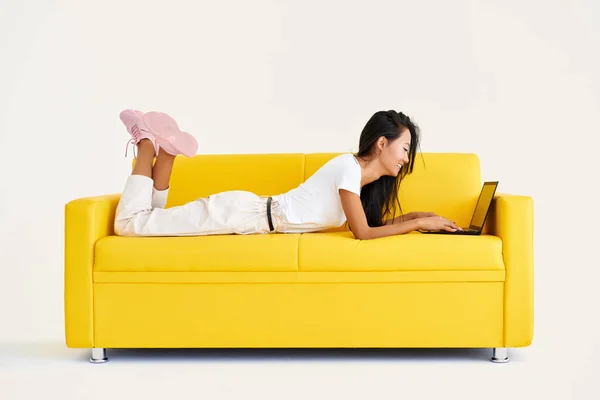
x=516, y=82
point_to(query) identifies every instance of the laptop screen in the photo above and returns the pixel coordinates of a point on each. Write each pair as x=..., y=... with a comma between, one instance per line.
x=483, y=204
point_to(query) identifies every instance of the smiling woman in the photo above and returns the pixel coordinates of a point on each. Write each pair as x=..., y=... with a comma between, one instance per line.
x=358, y=188
x=387, y=148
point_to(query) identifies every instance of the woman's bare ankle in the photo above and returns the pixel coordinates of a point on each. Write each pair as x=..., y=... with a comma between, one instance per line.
x=162, y=153
x=145, y=146
x=161, y=172
x=144, y=159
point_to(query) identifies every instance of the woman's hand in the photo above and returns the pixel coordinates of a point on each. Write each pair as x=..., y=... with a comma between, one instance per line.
x=437, y=223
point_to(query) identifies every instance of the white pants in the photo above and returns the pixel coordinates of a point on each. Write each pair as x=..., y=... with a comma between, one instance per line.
x=141, y=212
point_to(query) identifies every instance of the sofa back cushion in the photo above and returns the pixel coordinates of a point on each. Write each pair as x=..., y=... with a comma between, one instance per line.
x=206, y=174
x=445, y=183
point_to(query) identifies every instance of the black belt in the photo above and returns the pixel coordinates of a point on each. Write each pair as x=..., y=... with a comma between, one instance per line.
x=269, y=214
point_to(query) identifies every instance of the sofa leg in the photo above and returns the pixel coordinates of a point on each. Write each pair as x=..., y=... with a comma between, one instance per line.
x=98, y=355
x=500, y=355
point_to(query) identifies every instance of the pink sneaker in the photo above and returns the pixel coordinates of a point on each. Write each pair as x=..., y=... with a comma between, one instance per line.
x=168, y=135
x=137, y=129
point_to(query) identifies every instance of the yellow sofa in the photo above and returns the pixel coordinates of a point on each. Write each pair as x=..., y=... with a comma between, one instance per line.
x=322, y=289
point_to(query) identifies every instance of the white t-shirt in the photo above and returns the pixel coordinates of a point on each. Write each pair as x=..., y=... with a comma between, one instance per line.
x=316, y=203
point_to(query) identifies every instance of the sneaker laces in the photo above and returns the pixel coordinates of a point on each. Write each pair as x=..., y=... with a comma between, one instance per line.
x=134, y=148
x=136, y=133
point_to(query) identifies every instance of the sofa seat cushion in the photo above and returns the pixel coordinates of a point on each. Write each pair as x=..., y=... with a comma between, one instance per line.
x=339, y=251
x=299, y=258
x=242, y=253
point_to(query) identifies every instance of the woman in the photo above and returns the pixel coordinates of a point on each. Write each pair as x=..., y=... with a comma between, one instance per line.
x=359, y=188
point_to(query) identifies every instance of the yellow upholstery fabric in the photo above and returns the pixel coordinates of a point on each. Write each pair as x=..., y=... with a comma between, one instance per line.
x=445, y=183
x=206, y=174
x=511, y=219
x=86, y=221
x=198, y=253
x=322, y=289
x=304, y=252
x=410, y=252
x=457, y=314
x=297, y=277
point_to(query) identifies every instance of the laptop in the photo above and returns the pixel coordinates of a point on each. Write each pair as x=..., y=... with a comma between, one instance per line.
x=479, y=215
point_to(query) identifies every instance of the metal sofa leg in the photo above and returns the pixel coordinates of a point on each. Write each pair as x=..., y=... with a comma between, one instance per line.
x=499, y=355
x=98, y=355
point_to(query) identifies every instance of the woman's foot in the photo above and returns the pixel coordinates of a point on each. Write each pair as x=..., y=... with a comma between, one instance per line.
x=168, y=135
x=133, y=121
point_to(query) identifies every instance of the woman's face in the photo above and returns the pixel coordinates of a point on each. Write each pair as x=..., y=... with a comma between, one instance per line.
x=395, y=154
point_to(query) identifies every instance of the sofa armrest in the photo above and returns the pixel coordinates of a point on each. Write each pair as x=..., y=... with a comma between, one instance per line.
x=511, y=219
x=86, y=221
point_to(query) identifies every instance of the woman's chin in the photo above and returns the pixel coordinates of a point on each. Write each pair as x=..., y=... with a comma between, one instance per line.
x=395, y=171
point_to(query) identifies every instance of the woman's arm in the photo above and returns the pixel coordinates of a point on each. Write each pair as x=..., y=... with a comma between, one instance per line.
x=396, y=220
x=409, y=216
x=355, y=214
x=399, y=228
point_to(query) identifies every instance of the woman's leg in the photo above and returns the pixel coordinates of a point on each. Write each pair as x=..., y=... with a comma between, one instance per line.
x=145, y=158
x=137, y=216
x=137, y=195
x=169, y=137
x=161, y=173
x=141, y=209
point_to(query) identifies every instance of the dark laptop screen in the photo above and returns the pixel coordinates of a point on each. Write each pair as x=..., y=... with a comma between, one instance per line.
x=483, y=204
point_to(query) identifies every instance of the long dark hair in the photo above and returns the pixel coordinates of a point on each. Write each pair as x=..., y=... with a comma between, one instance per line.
x=379, y=198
